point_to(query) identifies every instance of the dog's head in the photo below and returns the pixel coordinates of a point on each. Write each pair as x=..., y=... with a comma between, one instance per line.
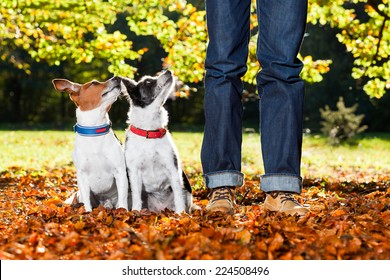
x=149, y=89
x=91, y=95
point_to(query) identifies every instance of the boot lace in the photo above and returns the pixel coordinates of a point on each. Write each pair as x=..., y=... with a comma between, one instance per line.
x=285, y=197
x=221, y=193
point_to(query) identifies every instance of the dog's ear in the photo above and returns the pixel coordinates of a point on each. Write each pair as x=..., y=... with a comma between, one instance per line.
x=129, y=84
x=127, y=87
x=63, y=85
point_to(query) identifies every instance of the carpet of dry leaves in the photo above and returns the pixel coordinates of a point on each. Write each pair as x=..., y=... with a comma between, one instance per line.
x=348, y=220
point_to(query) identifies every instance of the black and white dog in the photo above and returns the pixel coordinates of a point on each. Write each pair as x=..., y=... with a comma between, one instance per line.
x=156, y=178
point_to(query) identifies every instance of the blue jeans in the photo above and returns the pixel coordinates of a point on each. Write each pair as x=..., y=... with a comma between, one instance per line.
x=281, y=91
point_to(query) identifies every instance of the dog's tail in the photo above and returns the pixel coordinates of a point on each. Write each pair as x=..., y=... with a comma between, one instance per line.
x=186, y=182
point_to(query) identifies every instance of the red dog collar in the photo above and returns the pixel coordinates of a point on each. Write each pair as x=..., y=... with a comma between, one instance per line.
x=159, y=133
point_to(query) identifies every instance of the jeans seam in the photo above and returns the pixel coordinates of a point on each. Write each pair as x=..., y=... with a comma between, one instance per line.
x=212, y=179
x=294, y=183
x=281, y=175
x=222, y=172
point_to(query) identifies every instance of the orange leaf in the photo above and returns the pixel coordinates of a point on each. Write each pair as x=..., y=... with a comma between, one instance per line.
x=338, y=213
x=276, y=242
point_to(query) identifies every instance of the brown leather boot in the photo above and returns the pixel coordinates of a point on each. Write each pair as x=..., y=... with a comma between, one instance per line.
x=284, y=202
x=221, y=199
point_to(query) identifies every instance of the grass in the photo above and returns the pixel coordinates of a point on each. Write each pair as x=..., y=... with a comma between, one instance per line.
x=35, y=149
x=370, y=155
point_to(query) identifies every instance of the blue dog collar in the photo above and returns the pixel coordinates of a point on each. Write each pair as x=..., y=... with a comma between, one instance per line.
x=92, y=130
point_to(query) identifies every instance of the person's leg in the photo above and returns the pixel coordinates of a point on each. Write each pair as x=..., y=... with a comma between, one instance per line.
x=281, y=90
x=227, y=51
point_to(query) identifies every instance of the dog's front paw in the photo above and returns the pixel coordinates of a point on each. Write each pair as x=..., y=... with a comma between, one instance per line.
x=73, y=198
x=180, y=211
x=136, y=206
x=136, y=209
x=194, y=208
x=123, y=206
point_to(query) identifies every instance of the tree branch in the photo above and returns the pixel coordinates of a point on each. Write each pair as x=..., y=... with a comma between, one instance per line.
x=374, y=4
x=380, y=37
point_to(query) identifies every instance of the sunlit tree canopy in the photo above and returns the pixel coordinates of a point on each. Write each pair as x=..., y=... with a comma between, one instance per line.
x=54, y=31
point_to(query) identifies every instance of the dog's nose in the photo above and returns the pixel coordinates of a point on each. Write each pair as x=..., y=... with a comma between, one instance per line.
x=116, y=78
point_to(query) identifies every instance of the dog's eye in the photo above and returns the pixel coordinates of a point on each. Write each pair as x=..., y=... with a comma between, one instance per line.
x=95, y=83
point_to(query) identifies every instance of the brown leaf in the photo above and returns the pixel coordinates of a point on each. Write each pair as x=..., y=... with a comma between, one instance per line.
x=79, y=226
x=350, y=220
x=244, y=237
x=338, y=213
x=276, y=242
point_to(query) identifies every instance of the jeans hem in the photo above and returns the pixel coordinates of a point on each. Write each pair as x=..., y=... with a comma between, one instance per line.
x=281, y=182
x=228, y=178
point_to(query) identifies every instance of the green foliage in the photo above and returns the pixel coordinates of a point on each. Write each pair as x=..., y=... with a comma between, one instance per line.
x=79, y=31
x=56, y=31
x=180, y=28
x=343, y=124
x=365, y=31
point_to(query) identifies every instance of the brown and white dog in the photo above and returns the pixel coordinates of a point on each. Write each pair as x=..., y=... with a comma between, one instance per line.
x=154, y=168
x=98, y=155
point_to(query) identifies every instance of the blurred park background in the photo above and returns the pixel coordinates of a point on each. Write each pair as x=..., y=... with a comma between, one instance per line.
x=345, y=51
x=346, y=143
